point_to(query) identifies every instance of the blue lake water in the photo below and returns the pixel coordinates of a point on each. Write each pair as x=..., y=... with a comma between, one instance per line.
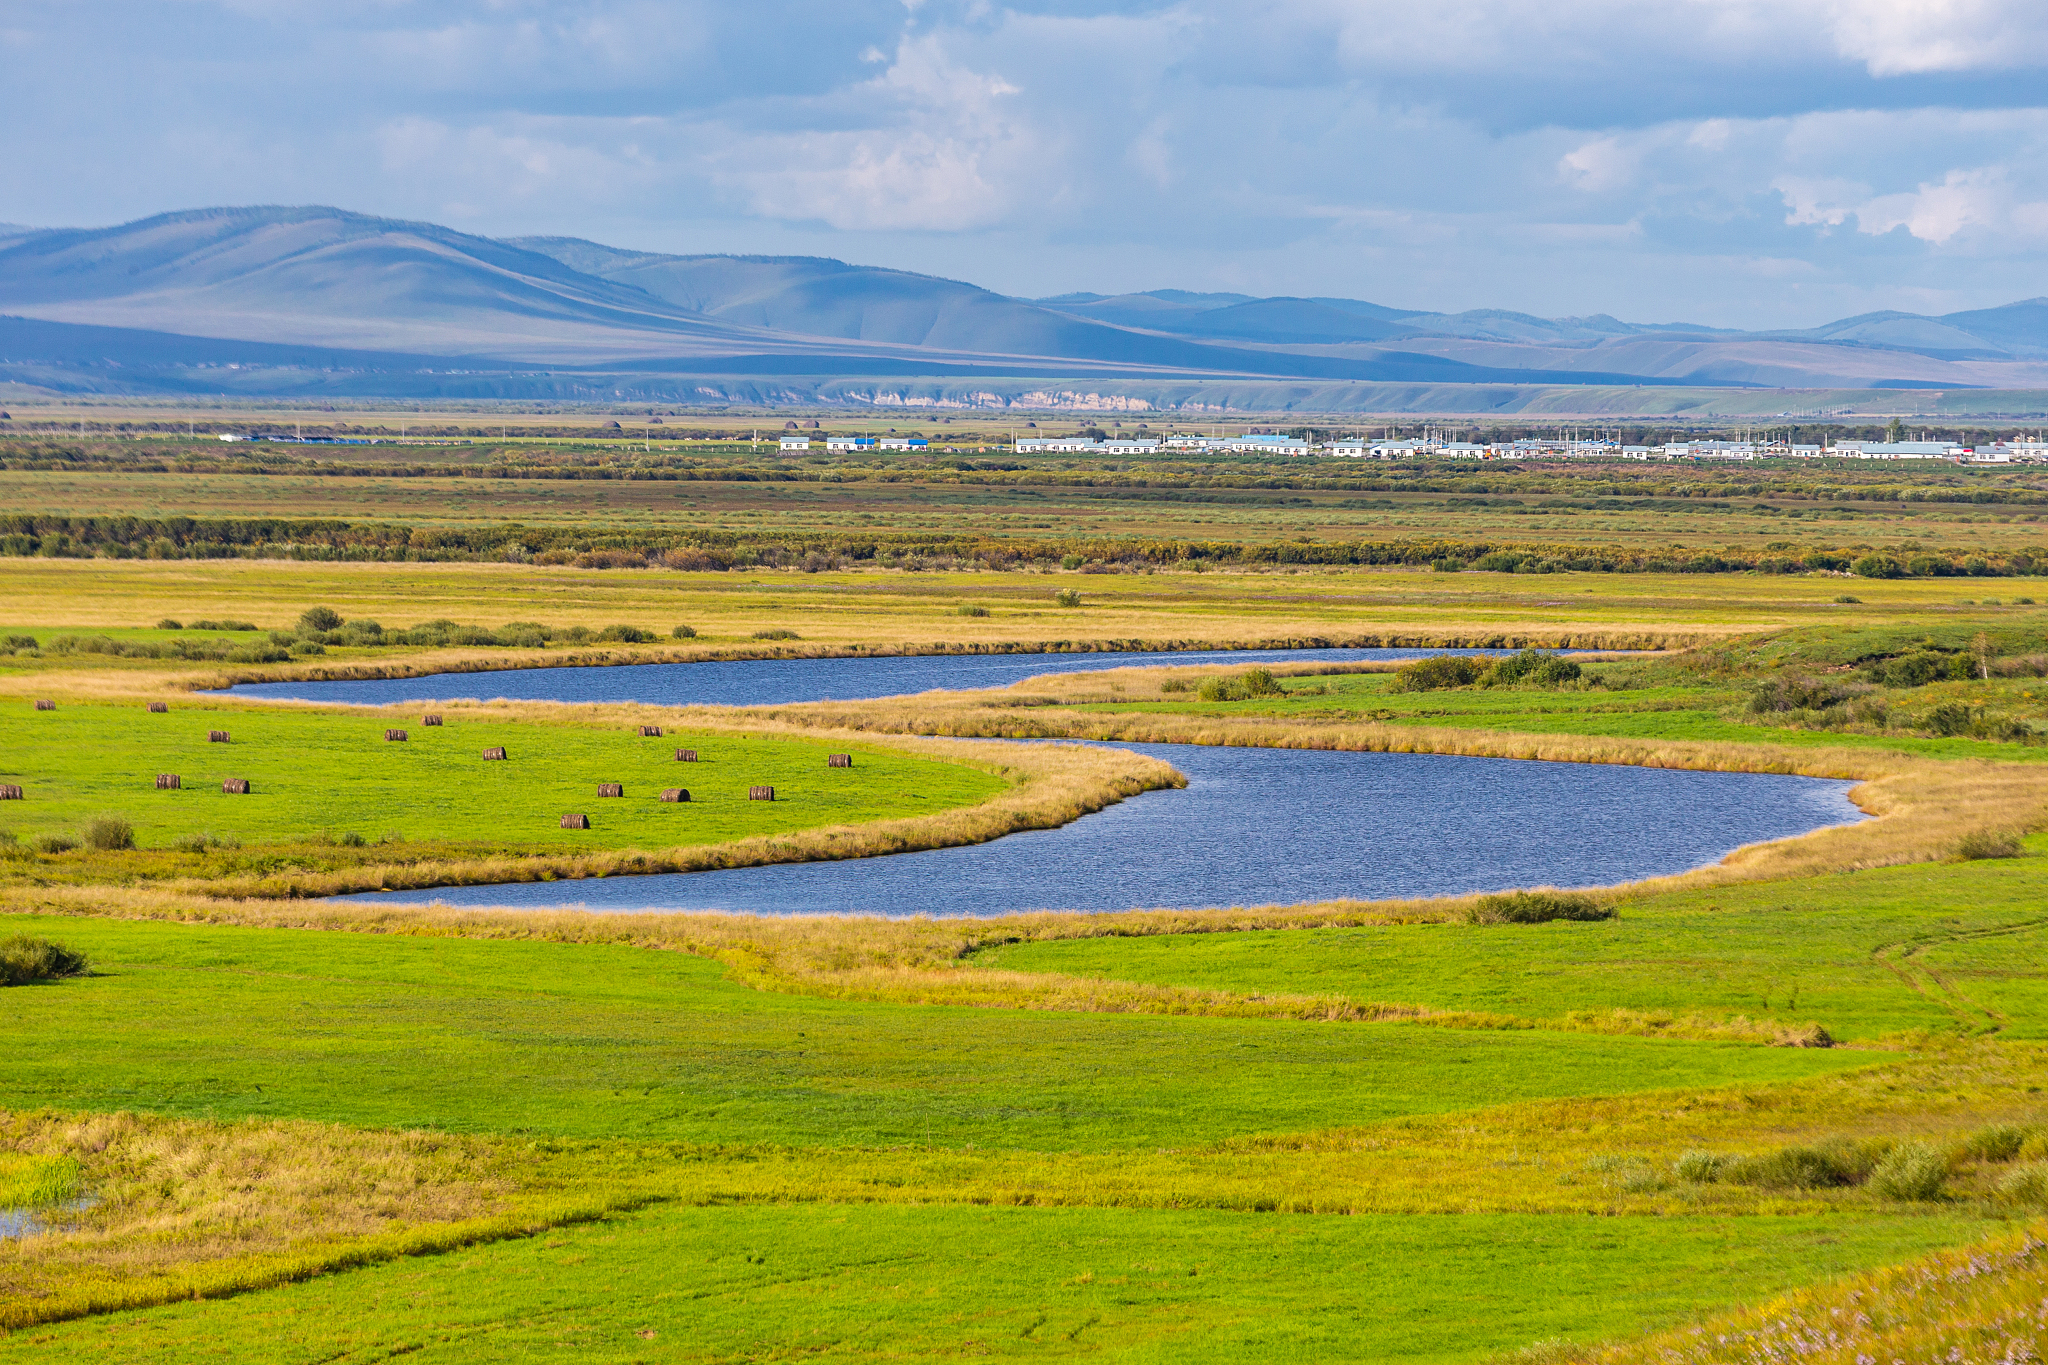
x=780, y=682
x=1258, y=826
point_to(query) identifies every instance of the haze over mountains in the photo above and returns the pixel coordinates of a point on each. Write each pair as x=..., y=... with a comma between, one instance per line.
x=319, y=299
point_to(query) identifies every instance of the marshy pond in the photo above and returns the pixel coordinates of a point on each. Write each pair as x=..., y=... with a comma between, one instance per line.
x=1257, y=826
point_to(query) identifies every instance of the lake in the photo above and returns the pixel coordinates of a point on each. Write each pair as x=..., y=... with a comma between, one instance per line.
x=1258, y=826
x=780, y=682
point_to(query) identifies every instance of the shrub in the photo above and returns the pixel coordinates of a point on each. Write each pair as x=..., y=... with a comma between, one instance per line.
x=631, y=635
x=776, y=634
x=2025, y=1185
x=55, y=843
x=1988, y=843
x=1501, y=561
x=1439, y=671
x=1998, y=1142
x=1951, y=718
x=350, y=840
x=199, y=843
x=1848, y=597
x=1176, y=685
x=21, y=642
x=1257, y=682
x=1067, y=597
x=1071, y=562
x=969, y=609
x=319, y=619
x=683, y=633
x=107, y=832
x=1447, y=565
x=1537, y=907
x=259, y=654
x=1877, y=566
x=1912, y=1171
x=24, y=959
x=168, y=624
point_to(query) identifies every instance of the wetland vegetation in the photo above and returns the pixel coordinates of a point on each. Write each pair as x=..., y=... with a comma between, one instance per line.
x=1801, y=1087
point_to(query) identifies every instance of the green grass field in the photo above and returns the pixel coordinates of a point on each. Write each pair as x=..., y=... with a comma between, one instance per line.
x=1865, y=954
x=624, y=1043
x=856, y=1283
x=318, y=774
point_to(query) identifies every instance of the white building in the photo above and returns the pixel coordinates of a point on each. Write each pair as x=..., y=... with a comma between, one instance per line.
x=1461, y=450
x=1355, y=449
x=798, y=444
x=849, y=443
x=1118, y=445
x=1896, y=450
x=905, y=443
x=1027, y=445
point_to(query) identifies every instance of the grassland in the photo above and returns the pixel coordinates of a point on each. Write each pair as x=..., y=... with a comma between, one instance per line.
x=1348, y=1130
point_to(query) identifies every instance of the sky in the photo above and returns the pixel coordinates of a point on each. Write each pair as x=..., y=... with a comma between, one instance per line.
x=1740, y=163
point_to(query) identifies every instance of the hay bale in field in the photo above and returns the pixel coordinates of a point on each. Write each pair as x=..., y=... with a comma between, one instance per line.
x=650, y=732
x=46, y=706
x=216, y=736
x=168, y=782
x=493, y=753
x=157, y=708
x=575, y=822
x=9, y=792
x=430, y=720
x=611, y=789
x=676, y=794
x=839, y=760
x=686, y=755
x=760, y=793
x=394, y=736
x=236, y=786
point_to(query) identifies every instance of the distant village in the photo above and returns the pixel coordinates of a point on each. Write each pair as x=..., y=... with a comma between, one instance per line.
x=2033, y=451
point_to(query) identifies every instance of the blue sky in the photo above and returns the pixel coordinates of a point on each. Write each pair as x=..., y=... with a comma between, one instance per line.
x=1749, y=163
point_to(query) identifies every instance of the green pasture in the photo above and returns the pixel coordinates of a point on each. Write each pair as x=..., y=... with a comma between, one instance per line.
x=1699, y=710
x=317, y=774
x=620, y=1042
x=888, y=1282
x=1960, y=947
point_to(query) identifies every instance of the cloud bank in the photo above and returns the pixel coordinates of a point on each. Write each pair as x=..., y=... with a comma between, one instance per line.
x=1736, y=162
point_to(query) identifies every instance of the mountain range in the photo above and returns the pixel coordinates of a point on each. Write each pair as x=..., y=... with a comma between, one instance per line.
x=305, y=300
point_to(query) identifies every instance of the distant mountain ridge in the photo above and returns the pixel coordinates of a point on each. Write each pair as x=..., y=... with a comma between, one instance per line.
x=317, y=288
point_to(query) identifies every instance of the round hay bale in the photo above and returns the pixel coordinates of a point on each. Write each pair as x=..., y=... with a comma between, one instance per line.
x=46, y=706
x=676, y=794
x=686, y=755
x=394, y=736
x=236, y=786
x=9, y=792
x=575, y=822
x=611, y=789
x=168, y=782
x=216, y=736
x=493, y=753
x=430, y=720
x=839, y=760
x=650, y=732
x=157, y=708
x=760, y=793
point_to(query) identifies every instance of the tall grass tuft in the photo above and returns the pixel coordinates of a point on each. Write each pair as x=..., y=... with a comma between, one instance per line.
x=1537, y=907
x=1998, y=1142
x=1914, y=1171
x=24, y=959
x=1988, y=843
x=107, y=832
x=2026, y=1186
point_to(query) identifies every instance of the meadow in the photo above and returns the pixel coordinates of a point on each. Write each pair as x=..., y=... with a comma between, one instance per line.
x=317, y=1130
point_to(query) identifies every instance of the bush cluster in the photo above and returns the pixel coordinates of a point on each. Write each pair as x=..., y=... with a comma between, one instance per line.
x=1534, y=667
x=1256, y=682
x=24, y=959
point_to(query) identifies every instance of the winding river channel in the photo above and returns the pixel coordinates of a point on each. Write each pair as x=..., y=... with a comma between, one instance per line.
x=1253, y=826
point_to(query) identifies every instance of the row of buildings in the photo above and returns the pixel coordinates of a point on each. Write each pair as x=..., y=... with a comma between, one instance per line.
x=1259, y=443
